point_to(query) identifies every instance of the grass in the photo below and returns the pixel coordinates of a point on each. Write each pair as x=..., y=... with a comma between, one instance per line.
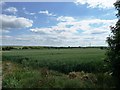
x=52, y=68
x=63, y=60
x=15, y=76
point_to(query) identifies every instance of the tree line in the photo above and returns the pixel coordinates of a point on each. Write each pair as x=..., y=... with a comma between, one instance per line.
x=4, y=48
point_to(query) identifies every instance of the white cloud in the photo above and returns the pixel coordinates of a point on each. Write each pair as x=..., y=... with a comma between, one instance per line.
x=11, y=10
x=12, y=22
x=73, y=31
x=4, y=31
x=72, y=25
x=69, y=31
x=65, y=19
x=33, y=39
x=28, y=13
x=46, y=12
x=5, y=37
x=104, y=4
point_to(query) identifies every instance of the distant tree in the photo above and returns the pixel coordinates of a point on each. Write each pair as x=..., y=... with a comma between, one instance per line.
x=101, y=47
x=7, y=48
x=69, y=47
x=79, y=46
x=113, y=52
x=25, y=47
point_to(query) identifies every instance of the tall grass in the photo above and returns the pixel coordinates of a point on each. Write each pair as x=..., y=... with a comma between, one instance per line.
x=62, y=60
x=34, y=69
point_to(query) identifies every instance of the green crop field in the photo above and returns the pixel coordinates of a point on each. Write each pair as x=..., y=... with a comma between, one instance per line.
x=63, y=60
x=26, y=68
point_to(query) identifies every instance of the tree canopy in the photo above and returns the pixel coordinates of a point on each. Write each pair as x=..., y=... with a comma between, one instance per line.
x=114, y=46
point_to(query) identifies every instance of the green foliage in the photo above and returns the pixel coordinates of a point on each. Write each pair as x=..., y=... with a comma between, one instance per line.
x=114, y=47
x=22, y=77
x=63, y=60
x=34, y=68
x=7, y=48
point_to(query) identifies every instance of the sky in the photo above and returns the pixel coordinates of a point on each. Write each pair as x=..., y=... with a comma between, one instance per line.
x=77, y=23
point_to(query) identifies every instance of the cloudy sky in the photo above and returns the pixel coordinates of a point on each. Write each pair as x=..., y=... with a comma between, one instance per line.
x=78, y=23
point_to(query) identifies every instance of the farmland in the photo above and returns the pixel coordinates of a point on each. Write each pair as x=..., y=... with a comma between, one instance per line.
x=27, y=63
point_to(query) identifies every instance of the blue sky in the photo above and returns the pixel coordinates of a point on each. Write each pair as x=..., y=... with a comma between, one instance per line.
x=78, y=23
